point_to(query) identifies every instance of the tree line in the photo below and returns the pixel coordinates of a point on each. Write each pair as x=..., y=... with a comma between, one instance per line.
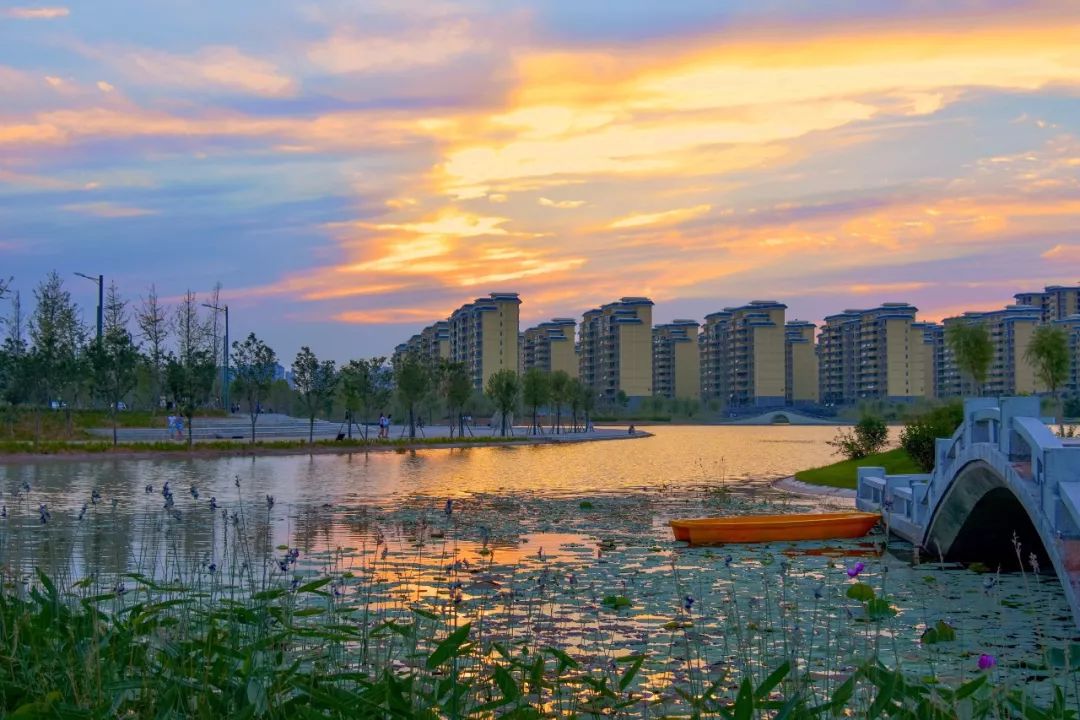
x=152, y=355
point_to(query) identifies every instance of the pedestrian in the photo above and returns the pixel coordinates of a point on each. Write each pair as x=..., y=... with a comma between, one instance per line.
x=382, y=425
x=170, y=426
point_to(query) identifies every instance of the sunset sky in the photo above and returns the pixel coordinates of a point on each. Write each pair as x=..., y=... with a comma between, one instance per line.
x=352, y=170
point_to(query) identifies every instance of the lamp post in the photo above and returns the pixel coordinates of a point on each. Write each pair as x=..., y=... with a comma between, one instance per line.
x=100, y=280
x=225, y=366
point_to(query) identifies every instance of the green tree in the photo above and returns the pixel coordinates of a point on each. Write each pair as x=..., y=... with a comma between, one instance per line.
x=536, y=390
x=588, y=404
x=973, y=351
x=457, y=391
x=114, y=364
x=413, y=379
x=253, y=374
x=560, y=384
x=152, y=319
x=504, y=387
x=360, y=389
x=57, y=337
x=189, y=379
x=574, y=391
x=315, y=382
x=1048, y=353
x=870, y=436
x=920, y=434
x=13, y=363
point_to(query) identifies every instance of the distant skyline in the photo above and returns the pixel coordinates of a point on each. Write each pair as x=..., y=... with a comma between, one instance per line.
x=354, y=170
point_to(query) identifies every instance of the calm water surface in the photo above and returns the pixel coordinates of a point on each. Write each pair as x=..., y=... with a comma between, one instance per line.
x=557, y=528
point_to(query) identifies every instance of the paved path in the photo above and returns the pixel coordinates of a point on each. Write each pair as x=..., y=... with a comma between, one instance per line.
x=798, y=487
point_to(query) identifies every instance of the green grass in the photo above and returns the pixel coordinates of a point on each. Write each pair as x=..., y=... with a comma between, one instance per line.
x=842, y=474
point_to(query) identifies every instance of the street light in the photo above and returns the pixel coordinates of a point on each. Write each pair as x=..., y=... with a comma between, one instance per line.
x=100, y=280
x=225, y=367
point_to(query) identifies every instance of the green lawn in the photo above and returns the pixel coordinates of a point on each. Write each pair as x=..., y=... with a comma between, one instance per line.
x=842, y=474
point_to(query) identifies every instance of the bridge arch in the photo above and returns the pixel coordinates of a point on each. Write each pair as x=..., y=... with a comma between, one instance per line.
x=981, y=518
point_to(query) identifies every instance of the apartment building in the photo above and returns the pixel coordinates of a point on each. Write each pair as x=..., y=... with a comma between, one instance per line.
x=874, y=354
x=616, y=348
x=483, y=335
x=1055, y=302
x=930, y=355
x=550, y=347
x=431, y=344
x=676, y=364
x=800, y=363
x=1071, y=325
x=756, y=358
x=713, y=347
x=1010, y=332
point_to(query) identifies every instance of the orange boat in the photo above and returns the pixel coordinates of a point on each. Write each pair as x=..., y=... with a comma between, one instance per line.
x=770, y=528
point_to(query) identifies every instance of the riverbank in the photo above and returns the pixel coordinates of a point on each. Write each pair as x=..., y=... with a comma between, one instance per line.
x=844, y=474
x=17, y=453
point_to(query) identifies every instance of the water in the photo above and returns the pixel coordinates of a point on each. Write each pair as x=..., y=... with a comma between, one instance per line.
x=537, y=539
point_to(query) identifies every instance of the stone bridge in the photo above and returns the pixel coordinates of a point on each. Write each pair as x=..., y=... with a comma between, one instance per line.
x=1005, y=491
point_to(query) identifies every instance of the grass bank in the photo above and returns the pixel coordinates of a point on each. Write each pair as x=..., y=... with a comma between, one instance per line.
x=842, y=474
x=59, y=425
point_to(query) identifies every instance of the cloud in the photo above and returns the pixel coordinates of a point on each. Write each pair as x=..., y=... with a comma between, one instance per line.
x=218, y=68
x=37, y=13
x=348, y=53
x=667, y=217
x=107, y=210
x=1063, y=252
x=104, y=86
x=564, y=204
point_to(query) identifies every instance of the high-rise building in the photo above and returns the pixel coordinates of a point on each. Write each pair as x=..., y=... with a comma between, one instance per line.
x=756, y=357
x=930, y=351
x=676, y=363
x=713, y=348
x=484, y=336
x=431, y=344
x=1071, y=326
x=550, y=347
x=800, y=363
x=873, y=354
x=1055, y=302
x=1010, y=332
x=616, y=348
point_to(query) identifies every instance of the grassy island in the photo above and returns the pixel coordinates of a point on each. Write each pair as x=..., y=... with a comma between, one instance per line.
x=842, y=474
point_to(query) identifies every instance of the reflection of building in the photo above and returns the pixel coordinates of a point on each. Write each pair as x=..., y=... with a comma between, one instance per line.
x=874, y=354
x=713, y=353
x=756, y=358
x=1055, y=302
x=550, y=347
x=616, y=348
x=484, y=336
x=1010, y=331
x=800, y=363
x=676, y=362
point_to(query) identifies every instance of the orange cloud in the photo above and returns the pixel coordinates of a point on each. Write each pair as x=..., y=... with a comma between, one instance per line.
x=349, y=53
x=667, y=217
x=1063, y=252
x=221, y=67
x=37, y=13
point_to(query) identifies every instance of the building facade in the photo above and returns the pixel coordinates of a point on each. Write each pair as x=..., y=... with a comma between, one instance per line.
x=800, y=363
x=713, y=347
x=483, y=335
x=616, y=348
x=1010, y=373
x=1071, y=326
x=756, y=357
x=874, y=354
x=1055, y=302
x=676, y=363
x=550, y=347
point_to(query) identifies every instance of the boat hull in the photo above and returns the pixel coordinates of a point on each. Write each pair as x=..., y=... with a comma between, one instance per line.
x=773, y=528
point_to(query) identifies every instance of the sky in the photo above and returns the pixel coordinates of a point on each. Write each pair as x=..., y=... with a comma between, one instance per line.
x=352, y=170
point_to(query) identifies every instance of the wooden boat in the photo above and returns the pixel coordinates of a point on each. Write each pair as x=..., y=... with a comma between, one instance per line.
x=770, y=528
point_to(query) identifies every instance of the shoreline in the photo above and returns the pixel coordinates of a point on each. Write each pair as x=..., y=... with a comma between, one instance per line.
x=248, y=450
x=797, y=487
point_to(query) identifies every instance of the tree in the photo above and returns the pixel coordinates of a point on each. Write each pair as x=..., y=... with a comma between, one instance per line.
x=560, y=383
x=457, y=389
x=1048, y=353
x=316, y=382
x=536, y=390
x=114, y=363
x=13, y=362
x=574, y=391
x=253, y=363
x=871, y=435
x=504, y=387
x=588, y=403
x=413, y=379
x=973, y=351
x=189, y=378
x=152, y=319
x=920, y=434
x=115, y=312
x=361, y=389
x=57, y=336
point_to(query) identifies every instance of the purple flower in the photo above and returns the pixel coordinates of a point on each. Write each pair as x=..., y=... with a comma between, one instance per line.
x=987, y=661
x=855, y=569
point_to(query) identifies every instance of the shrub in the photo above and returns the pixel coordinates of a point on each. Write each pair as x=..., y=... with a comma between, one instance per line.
x=870, y=436
x=919, y=433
